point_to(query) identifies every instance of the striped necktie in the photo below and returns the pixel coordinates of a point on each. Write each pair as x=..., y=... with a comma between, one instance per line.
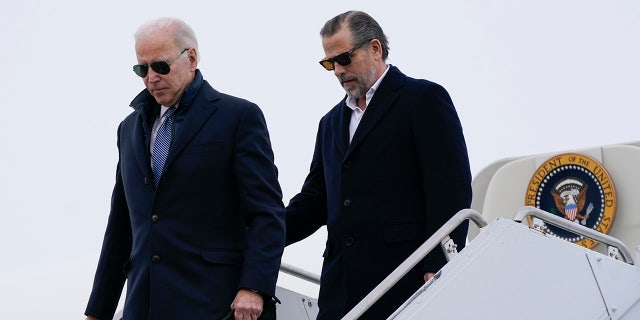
x=162, y=144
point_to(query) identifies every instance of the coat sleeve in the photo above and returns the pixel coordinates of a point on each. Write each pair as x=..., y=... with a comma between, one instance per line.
x=116, y=249
x=444, y=166
x=307, y=210
x=261, y=204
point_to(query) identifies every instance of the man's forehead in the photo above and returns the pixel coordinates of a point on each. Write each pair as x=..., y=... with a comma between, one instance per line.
x=340, y=41
x=155, y=49
x=156, y=40
x=332, y=48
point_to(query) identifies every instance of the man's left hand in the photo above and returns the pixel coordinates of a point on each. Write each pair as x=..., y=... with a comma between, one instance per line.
x=247, y=305
x=428, y=276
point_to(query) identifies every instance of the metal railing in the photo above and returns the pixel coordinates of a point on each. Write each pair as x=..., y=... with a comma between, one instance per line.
x=560, y=222
x=414, y=259
x=300, y=273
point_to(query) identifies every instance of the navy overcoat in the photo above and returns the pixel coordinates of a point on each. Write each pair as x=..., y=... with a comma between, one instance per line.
x=404, y=174
x=215, y=223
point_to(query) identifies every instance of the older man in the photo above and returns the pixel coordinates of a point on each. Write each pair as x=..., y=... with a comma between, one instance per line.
x=196, y=226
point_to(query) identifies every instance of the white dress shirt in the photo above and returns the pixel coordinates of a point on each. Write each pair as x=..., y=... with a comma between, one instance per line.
x=357, y=113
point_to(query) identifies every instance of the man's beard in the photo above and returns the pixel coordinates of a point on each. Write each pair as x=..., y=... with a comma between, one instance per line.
x=359, y=90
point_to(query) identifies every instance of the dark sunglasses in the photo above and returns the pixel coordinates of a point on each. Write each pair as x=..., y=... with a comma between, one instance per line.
x=160, y=67
x=344, y=59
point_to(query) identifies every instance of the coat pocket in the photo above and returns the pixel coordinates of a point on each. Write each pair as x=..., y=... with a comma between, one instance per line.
x=405, y=232
x=223, y=256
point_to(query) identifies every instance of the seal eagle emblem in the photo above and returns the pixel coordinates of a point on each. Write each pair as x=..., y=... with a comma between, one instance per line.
x=577, y=188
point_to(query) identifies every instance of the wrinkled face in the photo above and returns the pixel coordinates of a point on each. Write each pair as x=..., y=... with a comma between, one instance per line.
x=357, y=77
x=166, y=88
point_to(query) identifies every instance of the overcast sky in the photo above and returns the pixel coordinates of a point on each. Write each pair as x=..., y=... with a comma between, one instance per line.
x=527, y=77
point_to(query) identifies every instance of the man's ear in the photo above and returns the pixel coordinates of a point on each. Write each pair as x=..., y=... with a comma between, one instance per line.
x=376, y=46
x=193, y=58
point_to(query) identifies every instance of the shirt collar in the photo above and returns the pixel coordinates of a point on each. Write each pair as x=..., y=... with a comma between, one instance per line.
x=351, y=101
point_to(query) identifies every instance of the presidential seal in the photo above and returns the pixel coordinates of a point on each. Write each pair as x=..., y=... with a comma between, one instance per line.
x=577, y=188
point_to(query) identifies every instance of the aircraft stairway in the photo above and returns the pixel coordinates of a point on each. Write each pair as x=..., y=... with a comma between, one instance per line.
x=513, y=271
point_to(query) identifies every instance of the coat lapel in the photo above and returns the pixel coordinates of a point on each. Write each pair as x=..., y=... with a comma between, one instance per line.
x=147, y=109
x=141, y=148
x=340, y=123
x=195, y=117
x=382, y=101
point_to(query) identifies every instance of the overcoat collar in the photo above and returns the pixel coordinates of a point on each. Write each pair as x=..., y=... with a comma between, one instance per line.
x=383, y=100
x=195, y=108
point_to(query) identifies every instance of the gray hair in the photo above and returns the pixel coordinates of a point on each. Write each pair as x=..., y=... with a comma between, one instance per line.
x=181, y=31
x=362, y=26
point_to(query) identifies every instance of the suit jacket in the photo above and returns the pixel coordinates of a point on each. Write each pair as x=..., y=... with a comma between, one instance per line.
x=405, y=173
x=215, y=223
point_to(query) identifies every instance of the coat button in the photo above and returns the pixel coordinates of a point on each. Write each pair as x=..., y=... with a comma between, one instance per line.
x=154, y=218
x=155, y=259
x=146, y=180
x=347, y=164
x=348, y=241
x=346, y=202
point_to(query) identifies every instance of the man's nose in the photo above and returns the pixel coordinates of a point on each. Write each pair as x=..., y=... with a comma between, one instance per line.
x=338, y=68
x=152, y=75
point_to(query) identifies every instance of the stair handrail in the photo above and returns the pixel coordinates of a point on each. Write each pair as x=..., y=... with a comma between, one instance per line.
x=529, y=211
x=414, y=259
x=300, y=273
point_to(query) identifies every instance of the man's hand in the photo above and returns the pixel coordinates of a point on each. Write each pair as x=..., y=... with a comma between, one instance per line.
x=428, y=276
x=247, y=305
x=91, y=318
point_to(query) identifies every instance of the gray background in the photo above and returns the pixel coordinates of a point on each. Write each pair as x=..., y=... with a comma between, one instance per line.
x=527, y=77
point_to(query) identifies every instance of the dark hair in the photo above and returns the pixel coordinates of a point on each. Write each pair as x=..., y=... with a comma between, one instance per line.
x=362, y=26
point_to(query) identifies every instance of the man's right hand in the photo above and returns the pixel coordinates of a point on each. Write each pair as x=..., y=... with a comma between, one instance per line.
x=91, y=318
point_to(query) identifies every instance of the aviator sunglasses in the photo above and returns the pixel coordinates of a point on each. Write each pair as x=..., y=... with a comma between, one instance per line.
x=344, y=59
x=160, y=67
